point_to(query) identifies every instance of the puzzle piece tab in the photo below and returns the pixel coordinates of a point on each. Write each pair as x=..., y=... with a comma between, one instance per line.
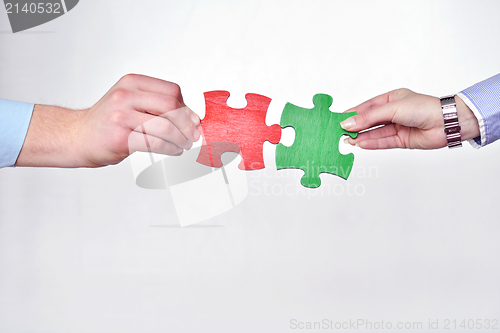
x=316, y=146
x=243, y=131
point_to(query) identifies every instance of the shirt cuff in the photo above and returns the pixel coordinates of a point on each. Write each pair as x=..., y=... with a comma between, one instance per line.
x=15, y=119
x=483, y=99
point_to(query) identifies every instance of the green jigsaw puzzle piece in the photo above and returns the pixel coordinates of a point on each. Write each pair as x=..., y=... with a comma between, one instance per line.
x=316, y=146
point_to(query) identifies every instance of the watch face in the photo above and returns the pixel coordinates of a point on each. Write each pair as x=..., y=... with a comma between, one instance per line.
x=452, y=130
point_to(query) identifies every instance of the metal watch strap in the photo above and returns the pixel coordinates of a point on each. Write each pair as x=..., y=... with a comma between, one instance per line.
x=451, y=125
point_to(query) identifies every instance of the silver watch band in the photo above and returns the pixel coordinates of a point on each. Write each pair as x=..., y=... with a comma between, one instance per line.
x=451, y=125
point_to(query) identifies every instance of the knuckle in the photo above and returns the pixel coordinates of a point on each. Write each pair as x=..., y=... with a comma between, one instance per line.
x=188, y=127
x=157, y=144
x=128, y=80
x=118, y=117
x=175, y=89
x=166, y=127
x=171, y=104
x=363, y=118
x=169, y=130
x=393, y=94
x=404, y=91
x=399, y=93
x=160, y=146
x=119, y=95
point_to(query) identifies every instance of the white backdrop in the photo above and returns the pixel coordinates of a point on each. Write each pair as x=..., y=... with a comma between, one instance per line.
x=412, y=236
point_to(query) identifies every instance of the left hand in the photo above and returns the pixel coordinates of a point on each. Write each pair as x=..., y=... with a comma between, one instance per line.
x=404, y=119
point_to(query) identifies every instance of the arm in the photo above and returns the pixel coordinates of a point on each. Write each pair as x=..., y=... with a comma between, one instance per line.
x=139, y=113
x=405, y=119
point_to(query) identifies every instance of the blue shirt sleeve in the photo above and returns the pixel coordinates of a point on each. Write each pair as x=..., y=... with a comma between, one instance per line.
x=14, y=122
x=483, y=99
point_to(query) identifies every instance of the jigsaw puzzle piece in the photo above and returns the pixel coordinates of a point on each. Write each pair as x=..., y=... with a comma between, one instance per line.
x=210, y=155
x=237, y=130
x=315, y=149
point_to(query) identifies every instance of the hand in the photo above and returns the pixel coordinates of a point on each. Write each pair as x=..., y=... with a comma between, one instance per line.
x=138, y=113
x=406, y=120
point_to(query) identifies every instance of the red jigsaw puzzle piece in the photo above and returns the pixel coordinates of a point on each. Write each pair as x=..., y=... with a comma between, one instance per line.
x=243, y=131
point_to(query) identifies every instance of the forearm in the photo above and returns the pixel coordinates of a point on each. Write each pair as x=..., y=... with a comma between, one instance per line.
x=52, y=138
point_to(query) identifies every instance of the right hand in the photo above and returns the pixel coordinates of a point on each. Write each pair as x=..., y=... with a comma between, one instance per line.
x=139, y=113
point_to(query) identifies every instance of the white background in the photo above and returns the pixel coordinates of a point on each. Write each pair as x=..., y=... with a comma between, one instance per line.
x=82, y=250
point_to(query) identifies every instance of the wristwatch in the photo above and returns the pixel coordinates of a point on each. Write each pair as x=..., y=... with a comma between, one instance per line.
x=451, y=125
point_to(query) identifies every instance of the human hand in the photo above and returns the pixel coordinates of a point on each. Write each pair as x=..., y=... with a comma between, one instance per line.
x=404, y=119
x=138, y=113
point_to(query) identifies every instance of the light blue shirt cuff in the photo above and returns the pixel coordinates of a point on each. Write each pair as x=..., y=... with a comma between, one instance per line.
x=483, y=99
x=14, y=122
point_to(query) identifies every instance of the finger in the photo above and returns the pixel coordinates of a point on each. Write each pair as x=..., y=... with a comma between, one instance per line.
x=159, y=127
x=153, y=103
x=158, y=86
x=167, y=107
x=377, y=133
x=370, y=118
x=184, y=123
x=194, y=116
x=382, y=143
x=151, y=84
x=148, y=143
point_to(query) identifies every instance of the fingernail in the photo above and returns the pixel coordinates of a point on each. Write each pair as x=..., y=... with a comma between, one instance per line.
x=196, y=134
x=189, y=145
x=356, y=145
x=195, y=118
x=348, y=123
x=178, y=152
x=346, y=141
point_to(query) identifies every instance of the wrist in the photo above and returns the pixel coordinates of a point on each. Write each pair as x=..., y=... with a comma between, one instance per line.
x=467, y=120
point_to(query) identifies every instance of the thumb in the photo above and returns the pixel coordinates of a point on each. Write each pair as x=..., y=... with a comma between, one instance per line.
x=378, y=116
